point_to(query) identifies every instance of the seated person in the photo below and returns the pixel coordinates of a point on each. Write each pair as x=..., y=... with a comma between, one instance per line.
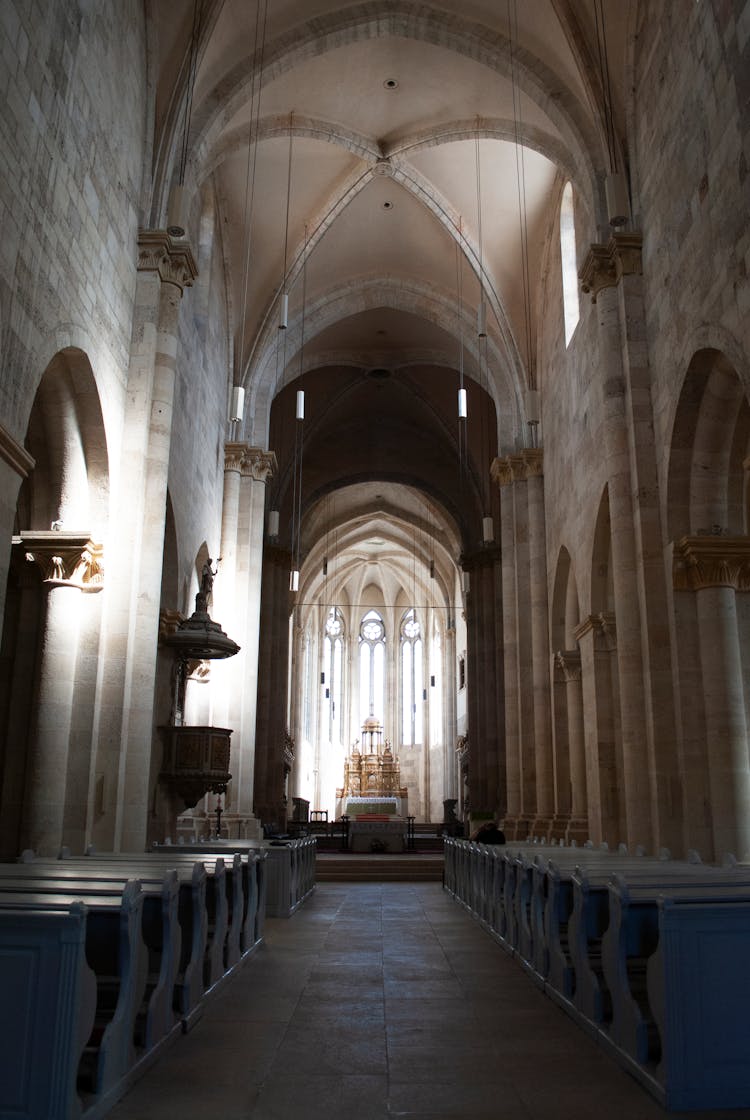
x=488, y=833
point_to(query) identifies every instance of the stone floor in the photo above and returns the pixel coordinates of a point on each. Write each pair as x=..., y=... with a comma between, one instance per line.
x=378, y=1001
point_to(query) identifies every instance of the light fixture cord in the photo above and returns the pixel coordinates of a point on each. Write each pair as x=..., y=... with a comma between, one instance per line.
x=609, y=121
x=252, y=151
x=192, y=67
x=521, y=188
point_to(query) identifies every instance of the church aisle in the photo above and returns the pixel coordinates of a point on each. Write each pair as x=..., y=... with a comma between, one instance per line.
x=379, y=1001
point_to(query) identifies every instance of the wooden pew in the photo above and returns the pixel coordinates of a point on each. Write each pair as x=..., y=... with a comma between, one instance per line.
x=253, y=856
x=160, y=929
x=191, y=913
x=698, y=983
x=217, y=900
x=288, y=872
x=632, y=937
x=116, y=953
x=47, y=1008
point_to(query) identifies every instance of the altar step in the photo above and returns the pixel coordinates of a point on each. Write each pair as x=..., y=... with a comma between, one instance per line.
x=423, y=843
x=361, y=867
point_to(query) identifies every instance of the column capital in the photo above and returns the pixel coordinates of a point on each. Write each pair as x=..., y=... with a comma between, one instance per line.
x=518, y=467
x=500, y=471
x=234, y=456
x=173, y=259
x=250, y=462
x=605, y=265
x=65, y=559
x=601, y=626
x=711, y=561
x=569, y=662
x=259, y=464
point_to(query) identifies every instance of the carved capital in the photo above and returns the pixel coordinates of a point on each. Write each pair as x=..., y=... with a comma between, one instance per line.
x=259, y=465
x=533, y=458
x=250, y=462
x=711, y=561
x=569, y=663
x=605, y=265
x=597, y=271
x=172, y=259
x=500, y=471
x=601, y=627
x=65, y=559
x=234, y=456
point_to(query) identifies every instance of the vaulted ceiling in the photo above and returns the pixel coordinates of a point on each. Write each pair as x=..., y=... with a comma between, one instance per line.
x=379, y=129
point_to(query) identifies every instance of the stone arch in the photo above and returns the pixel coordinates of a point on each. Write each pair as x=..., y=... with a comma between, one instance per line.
x=435, y=306
x=54, y=621
x=709, y=551
x=66, y=437
x=709, y=445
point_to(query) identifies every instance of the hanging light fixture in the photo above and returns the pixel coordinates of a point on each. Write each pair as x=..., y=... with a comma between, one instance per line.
x=284, y=309
x=488, y=529
x=238, y=392
x=299, y=441
x=177, y=203
x=615, y=183
x=532, y=393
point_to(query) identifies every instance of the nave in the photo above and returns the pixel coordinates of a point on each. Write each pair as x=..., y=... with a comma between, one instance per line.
x=386, y=1000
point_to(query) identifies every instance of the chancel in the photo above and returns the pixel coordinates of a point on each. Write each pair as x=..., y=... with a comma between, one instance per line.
x=374, y=452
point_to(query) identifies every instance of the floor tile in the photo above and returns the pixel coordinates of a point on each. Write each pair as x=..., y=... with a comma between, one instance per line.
x=386, y=1002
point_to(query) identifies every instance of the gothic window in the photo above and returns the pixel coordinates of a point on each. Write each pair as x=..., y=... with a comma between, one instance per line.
x=371, y=666
x=411, y=679
x=569, y=262
x=332, y=674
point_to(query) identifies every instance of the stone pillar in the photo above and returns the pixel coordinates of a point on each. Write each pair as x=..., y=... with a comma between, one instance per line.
x=715, y=569
x=602, y=275
x=526, y=643
x=484, y=691
x=246, y=471
x=123, y=731
x=70, y=564
x=503, y=476
x=271, y=736
x=448, y=670
x=15, y=465
x=605, y=766
x=545, y=794
x=569, y=663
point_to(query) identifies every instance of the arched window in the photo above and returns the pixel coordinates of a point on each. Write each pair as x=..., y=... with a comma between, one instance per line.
x=569, y=262
x=332, y=674
x=371, y=667
x=411, y=679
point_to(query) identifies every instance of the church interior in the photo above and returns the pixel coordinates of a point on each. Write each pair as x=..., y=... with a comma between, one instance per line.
x=375, y=421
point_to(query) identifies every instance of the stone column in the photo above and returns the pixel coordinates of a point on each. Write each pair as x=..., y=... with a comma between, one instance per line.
x=484, y=694
x=70, y=564
x=601, y=275
x=123, y=732
x=503, y=476
x=271, y=736
x=569, y=663
x=545, y=793
x=715, y=569
x=246, y=471
x=15, y=465
x=596, y=637
x=448, y=670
